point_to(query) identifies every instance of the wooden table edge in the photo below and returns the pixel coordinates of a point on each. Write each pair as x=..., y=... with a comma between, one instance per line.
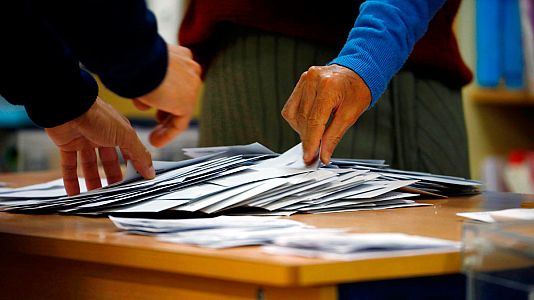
x=242, y=270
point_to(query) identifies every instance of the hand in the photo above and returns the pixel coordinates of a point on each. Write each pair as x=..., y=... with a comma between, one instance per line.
x=104, y=128
x=321, y=92
x=175, y=97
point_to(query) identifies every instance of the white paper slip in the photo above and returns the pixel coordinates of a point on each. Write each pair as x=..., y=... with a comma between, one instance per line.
x=313, y=253
x=436, y=179
x=160, y=226
x=193, y=192
x=292, y=158
x=516, y=214
x=234, y=237
x=382, y=207
x=386, y=186
x=218, y=197
x=505, y=215
x=256, y=174
x=342, y=184
x=57, y=183
x=51, y=189
x=236, y=199
x=254, y=148
x=152, y=206
x=295, y=185
x=281, y=213
x=350, y=243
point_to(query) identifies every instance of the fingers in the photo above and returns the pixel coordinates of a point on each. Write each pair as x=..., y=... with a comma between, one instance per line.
x=180, y=50
x=185, y=52
x=105, y=127
x=320, y=92
x=342, y=121
x=110, y=162
x=290, y=110
x=125, y=157
x=308, y=110
x=90, y=168
x=161, y=116
x=69, y=166
x=317, y=115
x=168, y=130
x=132, y=148
x=140, y=105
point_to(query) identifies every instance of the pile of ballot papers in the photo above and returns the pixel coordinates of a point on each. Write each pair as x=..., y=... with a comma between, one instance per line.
x=242, y=180
x=280, y=236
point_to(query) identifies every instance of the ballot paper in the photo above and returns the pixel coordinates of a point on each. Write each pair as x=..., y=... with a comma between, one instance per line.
x=505, y=215
x=50, y=189
x=280, y=236
x=241, y=180
x=351, y=246
x=251, y=149
x=218, y=232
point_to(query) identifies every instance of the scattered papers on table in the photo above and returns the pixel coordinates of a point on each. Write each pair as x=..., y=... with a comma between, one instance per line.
x=505, y=215
x=242, y=180
x=218, y=232
x=351, y=246
x=281, y=236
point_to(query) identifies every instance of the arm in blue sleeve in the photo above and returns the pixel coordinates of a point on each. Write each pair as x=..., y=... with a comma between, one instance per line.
x=117, y=40
x=383, y=37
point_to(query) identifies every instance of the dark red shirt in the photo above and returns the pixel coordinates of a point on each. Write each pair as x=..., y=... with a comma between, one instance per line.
x=435, y=55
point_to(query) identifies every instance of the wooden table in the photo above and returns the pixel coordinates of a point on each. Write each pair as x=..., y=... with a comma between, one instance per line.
x=68, y=257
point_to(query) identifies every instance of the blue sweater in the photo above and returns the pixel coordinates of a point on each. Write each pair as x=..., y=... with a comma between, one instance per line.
x=383, y=37
x=44, y=42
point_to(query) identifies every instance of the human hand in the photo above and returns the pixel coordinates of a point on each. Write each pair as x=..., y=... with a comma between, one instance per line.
x=104, y=128
x=322, y=92
x=175, y=97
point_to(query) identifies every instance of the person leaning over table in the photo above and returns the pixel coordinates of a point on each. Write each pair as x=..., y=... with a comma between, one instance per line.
x=43, y=43
x=405, y=93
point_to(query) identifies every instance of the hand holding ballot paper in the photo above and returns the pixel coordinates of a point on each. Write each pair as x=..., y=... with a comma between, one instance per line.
x=323, y=91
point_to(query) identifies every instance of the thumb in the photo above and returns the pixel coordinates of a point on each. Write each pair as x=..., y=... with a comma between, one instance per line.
x=168, y=130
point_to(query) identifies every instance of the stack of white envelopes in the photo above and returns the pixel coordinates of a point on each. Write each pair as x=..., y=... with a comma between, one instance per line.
x=250, y=180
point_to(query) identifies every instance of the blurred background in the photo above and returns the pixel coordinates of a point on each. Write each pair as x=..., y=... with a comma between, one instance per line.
x=496, y=41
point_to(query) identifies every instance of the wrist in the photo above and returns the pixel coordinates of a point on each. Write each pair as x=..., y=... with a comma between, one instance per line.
x=356, y=81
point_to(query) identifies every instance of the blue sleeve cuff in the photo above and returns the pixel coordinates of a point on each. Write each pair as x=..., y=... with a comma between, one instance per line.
x=383, y=37
x=375, y=81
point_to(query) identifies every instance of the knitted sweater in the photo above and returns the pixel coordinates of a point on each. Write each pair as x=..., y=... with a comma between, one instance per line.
x=386, y=36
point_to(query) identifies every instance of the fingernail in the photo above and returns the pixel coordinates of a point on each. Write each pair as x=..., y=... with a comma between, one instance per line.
x=151, y=173
x=325, y=158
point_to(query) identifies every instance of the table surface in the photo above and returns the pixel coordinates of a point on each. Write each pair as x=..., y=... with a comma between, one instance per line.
x=97, y=240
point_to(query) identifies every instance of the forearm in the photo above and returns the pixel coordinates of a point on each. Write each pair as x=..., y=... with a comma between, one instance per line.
x=383, y=37
x=117, y=40
x=38, y=71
